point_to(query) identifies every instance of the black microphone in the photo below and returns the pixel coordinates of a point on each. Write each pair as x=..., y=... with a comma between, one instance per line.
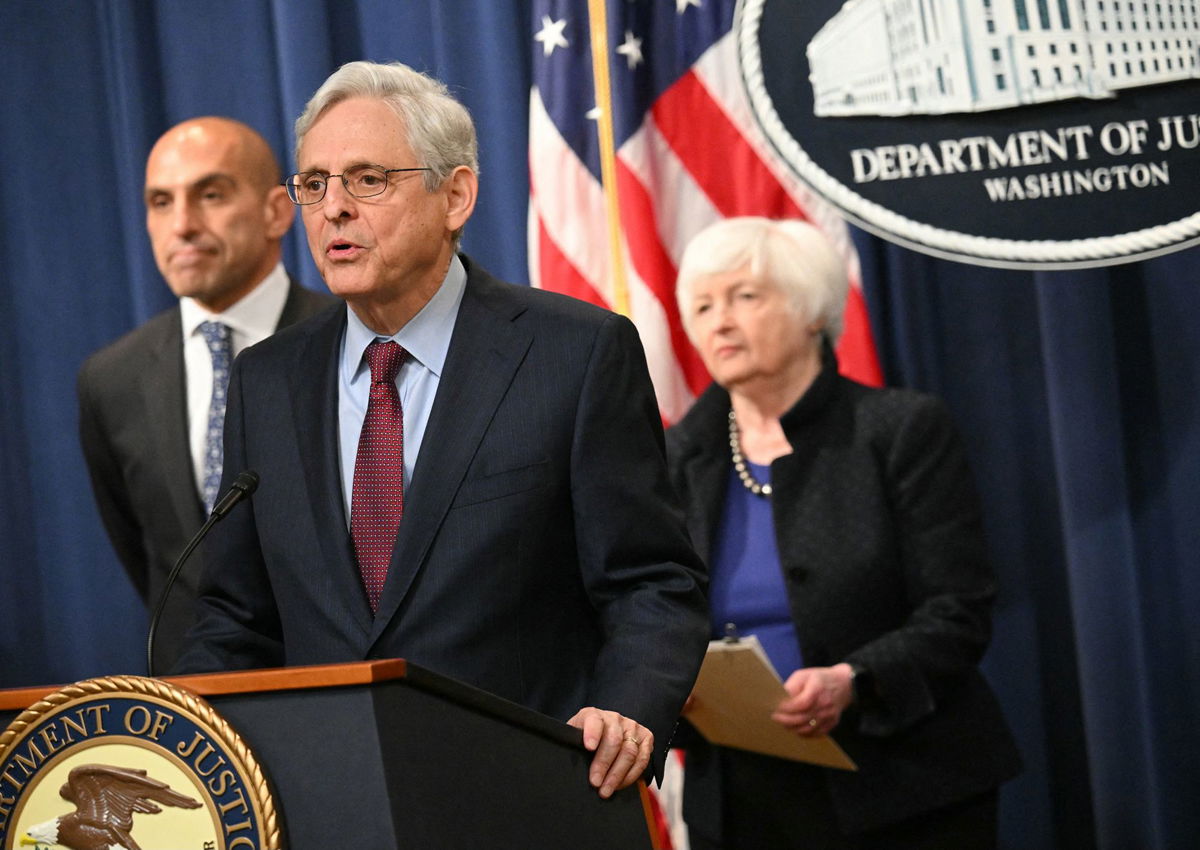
x=242, y=488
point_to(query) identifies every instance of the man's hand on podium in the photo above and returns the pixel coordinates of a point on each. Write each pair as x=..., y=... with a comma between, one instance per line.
x=622, y=748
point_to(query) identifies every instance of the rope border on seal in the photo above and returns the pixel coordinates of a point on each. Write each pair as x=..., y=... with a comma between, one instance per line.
x=186, y=700
x=1029, y=254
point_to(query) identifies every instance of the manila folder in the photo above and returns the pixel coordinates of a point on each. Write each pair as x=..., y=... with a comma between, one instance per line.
x=735, y=693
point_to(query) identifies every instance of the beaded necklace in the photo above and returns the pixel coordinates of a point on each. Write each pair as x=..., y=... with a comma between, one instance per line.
x=739, y=461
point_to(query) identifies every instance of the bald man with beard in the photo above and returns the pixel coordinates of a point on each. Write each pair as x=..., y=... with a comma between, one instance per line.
x=149, y=406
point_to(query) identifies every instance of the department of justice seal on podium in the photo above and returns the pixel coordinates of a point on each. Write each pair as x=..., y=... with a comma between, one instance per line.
x=130, y=762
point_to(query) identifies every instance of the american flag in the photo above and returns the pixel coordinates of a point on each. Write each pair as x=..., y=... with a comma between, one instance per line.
x=623, y=173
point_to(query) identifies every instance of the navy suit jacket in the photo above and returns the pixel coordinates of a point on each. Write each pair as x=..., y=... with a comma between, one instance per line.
x=542, y=555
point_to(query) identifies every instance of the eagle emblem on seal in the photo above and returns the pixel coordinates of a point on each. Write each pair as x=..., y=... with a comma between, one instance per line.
x=105, y=799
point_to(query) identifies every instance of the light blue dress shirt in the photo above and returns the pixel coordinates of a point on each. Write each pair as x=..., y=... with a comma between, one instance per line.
x=426, y=338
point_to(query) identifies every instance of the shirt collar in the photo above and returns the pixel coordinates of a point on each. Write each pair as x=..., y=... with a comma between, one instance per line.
x=254, y=316
x=426, y=337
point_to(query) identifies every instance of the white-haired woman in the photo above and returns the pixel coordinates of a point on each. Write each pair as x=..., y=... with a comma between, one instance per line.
x=841, y=527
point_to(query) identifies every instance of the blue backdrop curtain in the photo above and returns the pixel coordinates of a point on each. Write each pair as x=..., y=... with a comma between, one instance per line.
x=1076, y=391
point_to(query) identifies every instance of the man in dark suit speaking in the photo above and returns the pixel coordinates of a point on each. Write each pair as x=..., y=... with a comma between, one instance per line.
x=455, y=470
x=151, y=403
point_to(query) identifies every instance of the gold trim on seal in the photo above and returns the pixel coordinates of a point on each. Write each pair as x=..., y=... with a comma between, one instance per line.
x=203, y=714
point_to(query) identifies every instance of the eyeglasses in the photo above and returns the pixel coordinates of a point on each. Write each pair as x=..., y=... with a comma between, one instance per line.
x=361, y=181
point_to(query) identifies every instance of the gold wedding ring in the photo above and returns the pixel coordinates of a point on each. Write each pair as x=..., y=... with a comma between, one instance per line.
x=812, y=721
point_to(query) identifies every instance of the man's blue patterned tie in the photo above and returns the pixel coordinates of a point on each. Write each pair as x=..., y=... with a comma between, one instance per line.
x=220, y=346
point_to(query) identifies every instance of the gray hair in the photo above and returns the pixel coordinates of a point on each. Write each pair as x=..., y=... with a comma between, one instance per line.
x=791, y=255
x=438, y=128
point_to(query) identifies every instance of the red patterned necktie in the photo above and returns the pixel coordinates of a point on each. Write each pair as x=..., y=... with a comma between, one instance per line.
x=377, y=499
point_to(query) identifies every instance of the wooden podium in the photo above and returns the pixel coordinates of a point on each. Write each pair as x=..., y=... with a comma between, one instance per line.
x=385, y=754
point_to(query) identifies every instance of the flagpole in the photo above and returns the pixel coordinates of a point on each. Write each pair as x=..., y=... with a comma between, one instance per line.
x=598, y=23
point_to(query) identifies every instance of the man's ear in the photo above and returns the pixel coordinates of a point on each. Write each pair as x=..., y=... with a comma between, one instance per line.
x=461, y=188
x=279, y=212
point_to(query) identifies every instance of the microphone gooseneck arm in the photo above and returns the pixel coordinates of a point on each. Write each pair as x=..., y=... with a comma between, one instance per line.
x=242, y=488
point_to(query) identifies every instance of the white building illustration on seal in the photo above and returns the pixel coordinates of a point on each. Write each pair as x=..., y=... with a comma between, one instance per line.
x=906, y=57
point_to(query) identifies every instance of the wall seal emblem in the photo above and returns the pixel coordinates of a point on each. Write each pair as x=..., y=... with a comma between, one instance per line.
x=130, y=762
x=1032, y=134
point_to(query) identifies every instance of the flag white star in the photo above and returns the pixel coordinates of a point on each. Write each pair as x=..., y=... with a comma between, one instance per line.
x=551, y=34
x=631, y=49
x=680, y=5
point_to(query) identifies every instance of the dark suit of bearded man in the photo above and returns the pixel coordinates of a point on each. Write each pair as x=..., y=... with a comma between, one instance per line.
x=133, y=425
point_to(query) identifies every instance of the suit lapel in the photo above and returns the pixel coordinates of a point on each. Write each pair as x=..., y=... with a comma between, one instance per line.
x=315, y=420
x=485, y=352
x=302, y=303
x=707, y=495
x=163, y=387
x=293, y=310
x=706, y=468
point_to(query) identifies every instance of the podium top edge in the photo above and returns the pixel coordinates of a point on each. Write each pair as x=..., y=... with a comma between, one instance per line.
x=247, y=681
x=351, y=674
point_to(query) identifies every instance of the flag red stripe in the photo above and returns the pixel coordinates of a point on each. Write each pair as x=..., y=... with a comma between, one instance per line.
x=739, y=183
x=719, y=158
x=857, y=358
x=559, y=274
x=654, y=266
